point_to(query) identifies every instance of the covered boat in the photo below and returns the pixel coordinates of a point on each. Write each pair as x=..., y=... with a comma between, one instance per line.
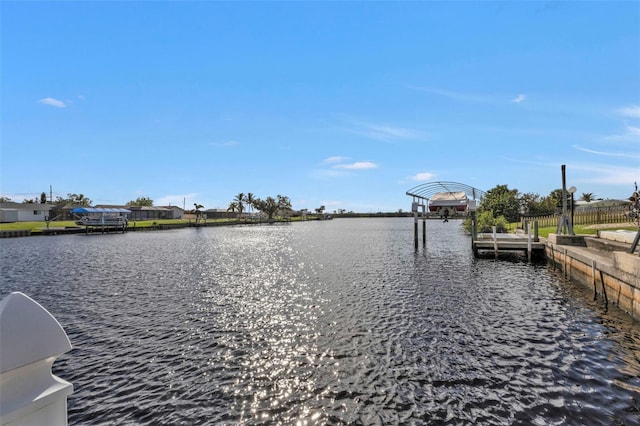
x=448, y=203
x=103, y=217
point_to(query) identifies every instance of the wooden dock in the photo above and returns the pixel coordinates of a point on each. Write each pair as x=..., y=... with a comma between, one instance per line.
x=507, y=242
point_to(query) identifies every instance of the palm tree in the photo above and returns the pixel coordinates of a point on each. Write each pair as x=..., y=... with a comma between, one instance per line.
x=250, y=200
x=233, y=207
x=587, y=196
x=197, y=211
x=240, y=200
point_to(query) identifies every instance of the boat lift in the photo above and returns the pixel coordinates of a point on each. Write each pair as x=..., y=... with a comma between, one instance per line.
x=104, y=219
x=451, y=195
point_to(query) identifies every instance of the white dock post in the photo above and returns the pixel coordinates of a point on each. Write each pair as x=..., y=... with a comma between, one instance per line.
x=31, y=339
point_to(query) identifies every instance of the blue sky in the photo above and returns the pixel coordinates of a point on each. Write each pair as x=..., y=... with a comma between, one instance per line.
x=342, y=104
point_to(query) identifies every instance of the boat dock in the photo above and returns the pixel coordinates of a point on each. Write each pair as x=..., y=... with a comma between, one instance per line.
x=498, y=242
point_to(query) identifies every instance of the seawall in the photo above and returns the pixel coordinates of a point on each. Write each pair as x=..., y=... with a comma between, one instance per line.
x=602, y=263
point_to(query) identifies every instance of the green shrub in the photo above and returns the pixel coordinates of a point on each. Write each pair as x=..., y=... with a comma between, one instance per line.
x=485, y=222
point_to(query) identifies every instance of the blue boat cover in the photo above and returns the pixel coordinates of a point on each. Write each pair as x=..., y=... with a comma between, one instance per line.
x=99, y=210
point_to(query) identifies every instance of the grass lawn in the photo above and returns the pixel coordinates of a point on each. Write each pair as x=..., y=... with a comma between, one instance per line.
x=36, y=226
x=587, y=229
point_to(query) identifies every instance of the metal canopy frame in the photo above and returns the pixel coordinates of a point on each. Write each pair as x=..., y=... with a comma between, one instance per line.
x=427, y=190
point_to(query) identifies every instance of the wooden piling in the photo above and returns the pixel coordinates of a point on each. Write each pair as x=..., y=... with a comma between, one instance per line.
x=415, y=229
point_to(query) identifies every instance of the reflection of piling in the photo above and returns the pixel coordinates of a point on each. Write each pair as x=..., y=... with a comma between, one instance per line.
x=415, y=229
x=474, y=233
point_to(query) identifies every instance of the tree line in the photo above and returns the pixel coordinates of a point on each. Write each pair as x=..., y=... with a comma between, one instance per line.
x=502, y=206
x=268, y=206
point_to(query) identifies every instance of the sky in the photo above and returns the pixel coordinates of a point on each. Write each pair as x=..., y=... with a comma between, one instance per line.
x=346, y=105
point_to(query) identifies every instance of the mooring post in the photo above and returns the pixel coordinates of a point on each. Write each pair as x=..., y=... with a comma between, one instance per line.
x=495, y=240
x=415, y=224
x=593, y=276
x=529, y=241
x=424, y=229
x=635, y=243
x=604, y=290
x=536, y=237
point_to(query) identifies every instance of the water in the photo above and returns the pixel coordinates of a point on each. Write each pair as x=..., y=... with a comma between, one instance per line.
x=335, y=322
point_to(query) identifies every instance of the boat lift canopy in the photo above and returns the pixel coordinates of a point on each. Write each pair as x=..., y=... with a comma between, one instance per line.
x=99, y=210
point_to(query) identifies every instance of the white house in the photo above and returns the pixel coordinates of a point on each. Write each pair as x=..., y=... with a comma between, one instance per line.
x=24, y=212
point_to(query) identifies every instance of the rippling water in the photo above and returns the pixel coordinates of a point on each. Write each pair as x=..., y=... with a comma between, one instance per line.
x=335, y=322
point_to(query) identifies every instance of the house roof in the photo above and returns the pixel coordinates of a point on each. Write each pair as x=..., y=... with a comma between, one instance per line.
x=26, y=206
x=136, y=208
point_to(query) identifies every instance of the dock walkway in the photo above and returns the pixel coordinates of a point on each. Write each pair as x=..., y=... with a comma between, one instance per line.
x=506, y=242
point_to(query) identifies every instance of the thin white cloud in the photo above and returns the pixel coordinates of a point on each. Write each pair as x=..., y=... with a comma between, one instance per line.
x=386, y=133
x=423, y=176
x=335, y=159
x=606, y=154
x=607, y=174
x=630, y=111
x=630, y=134
x=52, y=102
x=358, y=165
x=483, y=98
x=458, y=96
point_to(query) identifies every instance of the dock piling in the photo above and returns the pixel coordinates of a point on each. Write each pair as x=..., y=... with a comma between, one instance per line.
x=529, y=241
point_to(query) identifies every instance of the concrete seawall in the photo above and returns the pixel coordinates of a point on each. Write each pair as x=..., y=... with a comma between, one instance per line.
x=602, y=263
x=13, y=233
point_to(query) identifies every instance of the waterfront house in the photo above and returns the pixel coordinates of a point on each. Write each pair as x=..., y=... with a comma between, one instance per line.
x=24, y=212
x=176, y=212
x=219, y=214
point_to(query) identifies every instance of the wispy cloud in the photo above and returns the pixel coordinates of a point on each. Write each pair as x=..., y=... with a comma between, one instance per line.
x=607, y=174
x=423, y=176
x=483, y=98
x=335, y=159
x=337, y=166
x=385, y=133
x=52, y=102
x=630, y=111
x=630, y=134
x=358, y=165
x=458, y=96
x=606, y=154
